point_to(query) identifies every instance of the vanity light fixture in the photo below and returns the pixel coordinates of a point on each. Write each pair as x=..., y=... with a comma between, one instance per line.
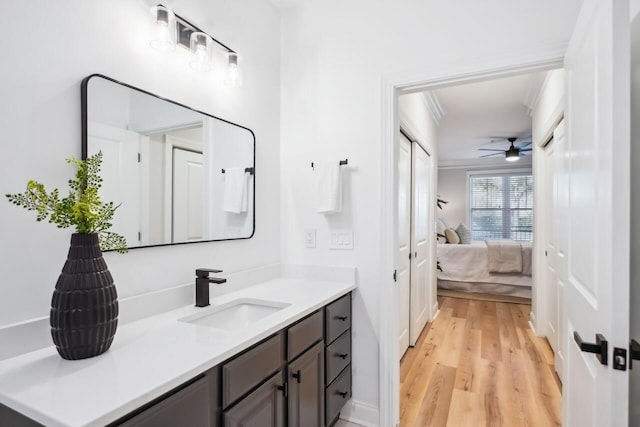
x=234, y=71
x=172, y=30
x=164, y=37
x=201, y=46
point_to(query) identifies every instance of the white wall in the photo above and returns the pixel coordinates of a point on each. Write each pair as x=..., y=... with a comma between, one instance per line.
x=452, y=188
x=48, y=48
x=335, y=55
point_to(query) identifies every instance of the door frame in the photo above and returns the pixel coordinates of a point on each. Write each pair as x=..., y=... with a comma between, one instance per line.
x=442, y=75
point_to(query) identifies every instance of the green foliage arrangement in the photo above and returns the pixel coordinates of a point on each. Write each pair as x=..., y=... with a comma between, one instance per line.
x=81, y=208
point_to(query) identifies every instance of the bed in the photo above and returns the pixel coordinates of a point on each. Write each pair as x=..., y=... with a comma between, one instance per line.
x=497, y=267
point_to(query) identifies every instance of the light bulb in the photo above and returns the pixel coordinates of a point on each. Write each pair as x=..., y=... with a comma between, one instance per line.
x=165, y=29
x=234, y=75
x=201, y=46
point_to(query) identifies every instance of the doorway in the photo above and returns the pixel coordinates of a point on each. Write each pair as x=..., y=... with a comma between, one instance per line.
x=598, y=146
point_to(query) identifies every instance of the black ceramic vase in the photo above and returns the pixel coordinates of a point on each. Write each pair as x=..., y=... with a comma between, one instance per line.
x=84, y=307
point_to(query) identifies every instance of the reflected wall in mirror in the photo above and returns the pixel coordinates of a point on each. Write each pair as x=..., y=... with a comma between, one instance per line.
x=180, y=175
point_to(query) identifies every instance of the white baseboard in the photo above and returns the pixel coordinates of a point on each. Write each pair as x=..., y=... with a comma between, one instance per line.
x=435, y=310
x=532, y=322
x=360, y=413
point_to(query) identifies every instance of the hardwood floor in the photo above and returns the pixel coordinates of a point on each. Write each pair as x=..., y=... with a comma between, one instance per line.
x=479, y=364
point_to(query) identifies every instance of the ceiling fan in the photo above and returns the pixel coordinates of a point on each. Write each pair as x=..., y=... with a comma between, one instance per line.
x=513, y=153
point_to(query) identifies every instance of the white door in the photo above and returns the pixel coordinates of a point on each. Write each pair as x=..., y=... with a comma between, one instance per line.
x=555, y=249
x=188, y=206
x=551, y=246
x=597, y=258
x=421, y=169
x=121, y=176
x=404, y=243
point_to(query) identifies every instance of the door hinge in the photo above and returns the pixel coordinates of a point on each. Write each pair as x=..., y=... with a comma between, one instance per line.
x=139, y=157
x=409, y=255
x=395, y=275
x=139, y=235
x=545, y=253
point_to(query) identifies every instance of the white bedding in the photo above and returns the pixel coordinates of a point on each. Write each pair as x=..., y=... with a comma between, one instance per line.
x=468, y=263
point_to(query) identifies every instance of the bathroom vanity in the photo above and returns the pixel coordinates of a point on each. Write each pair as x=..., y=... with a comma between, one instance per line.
x=286, y=363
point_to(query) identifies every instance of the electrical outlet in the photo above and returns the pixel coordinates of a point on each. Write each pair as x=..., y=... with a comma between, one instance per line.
x=342, y=239
x=310, y=238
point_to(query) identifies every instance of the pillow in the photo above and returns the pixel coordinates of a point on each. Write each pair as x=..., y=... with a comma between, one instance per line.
x=442, y=239
x=440, y=226
x=452, y=236
x=464, y=233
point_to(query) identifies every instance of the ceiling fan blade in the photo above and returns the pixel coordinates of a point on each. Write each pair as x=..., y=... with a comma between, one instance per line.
x=525, y=149
x=489, y=149
x=489, y=155
x=525, y=144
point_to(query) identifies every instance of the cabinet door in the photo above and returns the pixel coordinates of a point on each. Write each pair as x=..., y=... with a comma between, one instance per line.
x=306, y=389
x=189, y=407
x=262, y=408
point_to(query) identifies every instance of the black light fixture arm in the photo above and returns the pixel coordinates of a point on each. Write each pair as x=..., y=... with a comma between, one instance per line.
x=188, y=25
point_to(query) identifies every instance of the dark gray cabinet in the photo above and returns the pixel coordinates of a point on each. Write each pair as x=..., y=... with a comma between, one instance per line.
x=337, y=341
x=263, y=407
x=193, y=404
x=306, y=389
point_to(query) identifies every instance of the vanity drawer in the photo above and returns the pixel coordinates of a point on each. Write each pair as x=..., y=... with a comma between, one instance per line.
x=338, y=318
x=243, y=373
x=337, y=394
x=304, y=334
x=338, y=356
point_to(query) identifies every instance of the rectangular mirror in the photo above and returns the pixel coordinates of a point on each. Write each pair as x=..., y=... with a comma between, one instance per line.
x=181, y=175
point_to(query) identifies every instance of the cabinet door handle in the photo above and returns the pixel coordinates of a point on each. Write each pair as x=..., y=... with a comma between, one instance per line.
x=343, y=318
x=297, y=375
x=342, y=355
x=284, y=389
x=343, y=393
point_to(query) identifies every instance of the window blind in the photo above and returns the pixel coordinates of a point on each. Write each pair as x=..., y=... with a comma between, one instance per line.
x=501, y=207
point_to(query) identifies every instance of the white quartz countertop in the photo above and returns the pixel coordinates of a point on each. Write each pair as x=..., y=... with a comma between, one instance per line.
x=148, y=358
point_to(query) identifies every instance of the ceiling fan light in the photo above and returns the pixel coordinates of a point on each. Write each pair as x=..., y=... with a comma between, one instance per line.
x=512, y=155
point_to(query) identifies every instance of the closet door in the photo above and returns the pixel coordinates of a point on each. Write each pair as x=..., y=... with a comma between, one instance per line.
x=420, y=240
x=404, y=243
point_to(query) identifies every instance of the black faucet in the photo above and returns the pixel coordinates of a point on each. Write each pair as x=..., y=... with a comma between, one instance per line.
x=202, y=285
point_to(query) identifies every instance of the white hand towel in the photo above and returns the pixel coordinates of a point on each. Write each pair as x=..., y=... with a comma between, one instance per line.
x=328, y=187
x=235, y=190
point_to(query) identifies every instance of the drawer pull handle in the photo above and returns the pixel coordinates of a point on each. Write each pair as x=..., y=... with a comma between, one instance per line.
x=297, y=375
x=343, y=393
x=342, y=355
x=343, y=318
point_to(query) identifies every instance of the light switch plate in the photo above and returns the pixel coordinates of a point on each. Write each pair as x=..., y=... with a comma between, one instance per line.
x=310, y=238
x=341, y=239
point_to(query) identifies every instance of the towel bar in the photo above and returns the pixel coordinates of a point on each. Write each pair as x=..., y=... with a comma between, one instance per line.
x=342, y=162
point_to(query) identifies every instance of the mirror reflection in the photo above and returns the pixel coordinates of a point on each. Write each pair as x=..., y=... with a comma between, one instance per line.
x=180, y=175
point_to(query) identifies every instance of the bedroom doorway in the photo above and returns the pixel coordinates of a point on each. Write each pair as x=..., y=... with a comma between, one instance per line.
x=597, y=153
x=483, y=320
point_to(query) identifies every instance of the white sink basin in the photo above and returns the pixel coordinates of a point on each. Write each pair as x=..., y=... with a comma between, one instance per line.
x=235, y=314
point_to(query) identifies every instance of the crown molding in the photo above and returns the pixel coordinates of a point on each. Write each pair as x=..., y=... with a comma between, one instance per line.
x=432, y=103
x=534, y=91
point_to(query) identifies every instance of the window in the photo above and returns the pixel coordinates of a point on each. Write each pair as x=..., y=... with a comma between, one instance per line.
x=501, y=206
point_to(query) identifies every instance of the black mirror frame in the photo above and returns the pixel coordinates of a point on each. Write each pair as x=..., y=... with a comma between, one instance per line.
x=84, y=105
